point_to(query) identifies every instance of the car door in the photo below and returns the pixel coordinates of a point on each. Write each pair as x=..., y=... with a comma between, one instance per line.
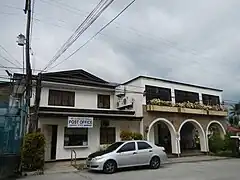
x=127, y=155
x=144, y=152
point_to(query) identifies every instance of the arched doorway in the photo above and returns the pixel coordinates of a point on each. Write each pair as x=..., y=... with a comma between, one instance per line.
x=214, y=127
x=192, y=136
x=162, y=132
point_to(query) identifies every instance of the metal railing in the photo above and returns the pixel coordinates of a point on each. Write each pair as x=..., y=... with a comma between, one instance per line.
x=73, y=159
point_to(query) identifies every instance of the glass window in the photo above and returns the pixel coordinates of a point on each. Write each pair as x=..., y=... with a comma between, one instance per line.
x=153, y=92
x=75, y=136
x=107, y=135
x=104, y=101
x=143, y=145
x=61, y=98
x=210, y=99
x=128, y=147
x=185, y=96
x=114, y=146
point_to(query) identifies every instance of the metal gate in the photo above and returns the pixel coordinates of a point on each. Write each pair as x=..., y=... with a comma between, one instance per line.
x=11, y=124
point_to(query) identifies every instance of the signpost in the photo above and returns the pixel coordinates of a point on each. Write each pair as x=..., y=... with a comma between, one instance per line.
x=80, y=122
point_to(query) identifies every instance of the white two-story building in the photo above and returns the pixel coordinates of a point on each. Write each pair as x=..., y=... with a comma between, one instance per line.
x=176, y=115
x=78, y=111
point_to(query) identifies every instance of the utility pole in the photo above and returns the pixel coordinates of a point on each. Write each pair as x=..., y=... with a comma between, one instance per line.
x=37, y=101
x=27, y=54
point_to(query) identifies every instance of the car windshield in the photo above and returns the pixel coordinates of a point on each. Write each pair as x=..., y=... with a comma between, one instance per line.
x=114, y=146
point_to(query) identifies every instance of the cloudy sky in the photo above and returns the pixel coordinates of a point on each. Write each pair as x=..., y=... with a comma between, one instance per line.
x=185, y=40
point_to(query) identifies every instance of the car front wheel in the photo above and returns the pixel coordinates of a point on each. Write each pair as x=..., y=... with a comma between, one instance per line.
x=155, y=162
x=109, y=167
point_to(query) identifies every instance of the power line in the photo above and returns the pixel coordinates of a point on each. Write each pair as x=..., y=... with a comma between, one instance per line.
x=10, y=55
x=96, y=12
x=17, y=68
x=8, y=60
x=95, y=34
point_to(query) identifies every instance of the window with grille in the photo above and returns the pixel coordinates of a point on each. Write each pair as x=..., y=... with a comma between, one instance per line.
x=61, y=98
x=103, y=101
x=107, y=135
x=184, y=96
x=153, y=92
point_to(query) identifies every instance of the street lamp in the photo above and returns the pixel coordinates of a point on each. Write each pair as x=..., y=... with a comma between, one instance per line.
x=21, y=41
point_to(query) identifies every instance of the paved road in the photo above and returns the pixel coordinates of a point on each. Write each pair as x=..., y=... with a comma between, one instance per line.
x=211, y=170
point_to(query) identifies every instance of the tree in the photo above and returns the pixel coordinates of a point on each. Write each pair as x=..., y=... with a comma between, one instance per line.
x=234, y=114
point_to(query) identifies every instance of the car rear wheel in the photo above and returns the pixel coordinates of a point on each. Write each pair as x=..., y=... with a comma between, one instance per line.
x=110, y=167
x=155, y=162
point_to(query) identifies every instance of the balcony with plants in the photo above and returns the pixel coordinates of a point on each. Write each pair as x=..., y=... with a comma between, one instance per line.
x=186, y=107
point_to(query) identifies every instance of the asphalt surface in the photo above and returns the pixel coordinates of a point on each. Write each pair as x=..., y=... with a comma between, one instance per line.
x=209, y=170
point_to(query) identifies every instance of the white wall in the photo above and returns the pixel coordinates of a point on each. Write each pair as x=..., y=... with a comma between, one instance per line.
x=84, y=98
x=93, y=136
x=173, y=86
x=138, y=86
x=134, y=90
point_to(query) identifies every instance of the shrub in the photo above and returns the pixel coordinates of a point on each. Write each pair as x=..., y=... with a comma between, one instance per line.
x=33, y=152
x=126, y=135
x=216, y=143
x=137, y=136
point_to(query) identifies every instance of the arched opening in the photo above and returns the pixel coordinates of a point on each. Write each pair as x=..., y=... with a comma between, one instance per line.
x=192, y=137
x=162, y=133
x=214, y=127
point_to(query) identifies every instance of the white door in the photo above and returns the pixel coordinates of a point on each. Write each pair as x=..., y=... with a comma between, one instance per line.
x=144, y=153
x=127, y=155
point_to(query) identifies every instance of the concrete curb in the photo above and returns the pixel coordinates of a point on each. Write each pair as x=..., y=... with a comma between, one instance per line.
x=198, y=160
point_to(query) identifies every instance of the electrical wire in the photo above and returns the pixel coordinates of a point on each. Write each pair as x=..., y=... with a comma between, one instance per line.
x=90, y=39
x=101, y=6
x=10, y=55
x=8, y=60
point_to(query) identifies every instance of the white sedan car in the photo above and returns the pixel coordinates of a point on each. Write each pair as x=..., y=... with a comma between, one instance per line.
x=126, y=154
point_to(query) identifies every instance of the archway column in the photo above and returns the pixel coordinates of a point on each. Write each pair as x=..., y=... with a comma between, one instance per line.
x=202, y=134
x=171, y=128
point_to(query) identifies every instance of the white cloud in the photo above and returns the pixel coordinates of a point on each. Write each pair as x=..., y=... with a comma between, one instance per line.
x=184, y=40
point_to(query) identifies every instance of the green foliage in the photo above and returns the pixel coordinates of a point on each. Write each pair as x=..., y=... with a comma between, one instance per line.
x=228, y=142
x=216, y=143
x=33, y=152
x=234, y=115
x=221, y=146
x=127, y=135
x=137, y=136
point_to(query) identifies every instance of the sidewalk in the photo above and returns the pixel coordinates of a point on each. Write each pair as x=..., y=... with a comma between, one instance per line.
x=65, y=167
x=190, y=159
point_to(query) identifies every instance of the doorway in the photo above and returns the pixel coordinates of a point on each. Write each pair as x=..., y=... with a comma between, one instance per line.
x=54, y=142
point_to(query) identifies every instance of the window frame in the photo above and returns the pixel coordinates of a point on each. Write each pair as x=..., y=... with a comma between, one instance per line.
x=71, y=146
x=103, y=106
x=150, y=147
x=107, y=135
x=209, y=97
x=162, y=93
x=185, y=95
x=121, y=151
x=60, y=94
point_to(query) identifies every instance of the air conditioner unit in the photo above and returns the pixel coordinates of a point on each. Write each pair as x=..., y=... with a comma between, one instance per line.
x=124, y=102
